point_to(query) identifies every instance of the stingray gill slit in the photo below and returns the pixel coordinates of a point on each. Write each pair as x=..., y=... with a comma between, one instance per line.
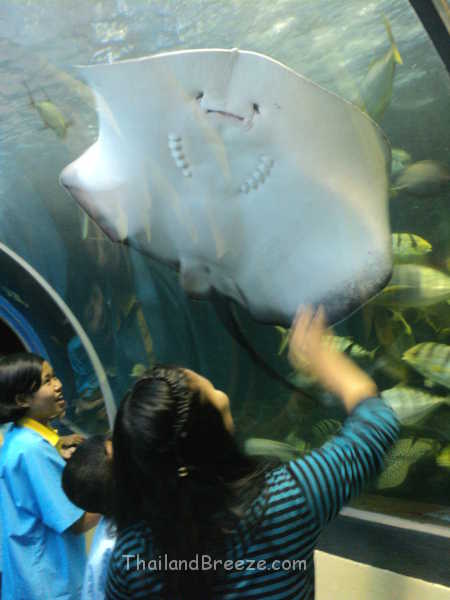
x=259, y=175
x=175, y=144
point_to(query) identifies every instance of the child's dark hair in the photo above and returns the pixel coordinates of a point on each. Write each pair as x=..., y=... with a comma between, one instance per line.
x=87, y=476
x=177, y=468
x=20, y=375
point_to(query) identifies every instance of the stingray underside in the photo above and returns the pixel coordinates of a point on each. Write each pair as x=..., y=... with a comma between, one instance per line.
x=248, y=178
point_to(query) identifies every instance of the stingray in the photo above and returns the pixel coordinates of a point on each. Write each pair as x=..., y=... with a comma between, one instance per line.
x=253, y=182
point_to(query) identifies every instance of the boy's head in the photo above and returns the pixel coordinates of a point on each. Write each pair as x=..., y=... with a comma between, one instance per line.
x=20, y=377
x=87, y=476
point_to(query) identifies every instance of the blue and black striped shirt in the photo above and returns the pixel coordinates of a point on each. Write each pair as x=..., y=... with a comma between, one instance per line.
x=301, y=497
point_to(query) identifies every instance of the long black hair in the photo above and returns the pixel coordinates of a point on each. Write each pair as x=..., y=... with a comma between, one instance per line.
x=177, y=468
x=20, y=376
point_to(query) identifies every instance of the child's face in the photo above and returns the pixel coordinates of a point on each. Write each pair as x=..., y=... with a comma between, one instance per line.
x=47, y=402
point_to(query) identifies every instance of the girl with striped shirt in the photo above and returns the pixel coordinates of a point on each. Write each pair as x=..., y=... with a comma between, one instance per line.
x=197, y=518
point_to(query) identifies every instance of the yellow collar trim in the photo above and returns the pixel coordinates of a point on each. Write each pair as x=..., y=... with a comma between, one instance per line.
x=48, y=433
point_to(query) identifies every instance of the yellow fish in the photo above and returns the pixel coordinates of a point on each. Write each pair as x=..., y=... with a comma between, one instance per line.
x=376, y=88
x=392, y=367
x=409, y=245
x=399, y=160
x=422, y=178
x=265, y=447
x=284, y=338
x=399, y=460
x=50, y=114
x=443, y=458
x=348, y=345
x=414, y=286
x=412, y=405
x=298, y=443
x=432, y=360
x=138, y=370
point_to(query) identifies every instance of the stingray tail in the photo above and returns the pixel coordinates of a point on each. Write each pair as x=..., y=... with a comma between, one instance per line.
x=398, y=59
x=30, y=95
x=224, y=311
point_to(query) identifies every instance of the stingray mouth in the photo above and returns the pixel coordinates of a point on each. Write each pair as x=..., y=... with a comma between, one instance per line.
x=246, y=120
x=224, y=113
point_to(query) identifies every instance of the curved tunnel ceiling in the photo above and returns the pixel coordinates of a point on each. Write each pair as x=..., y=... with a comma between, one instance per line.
x=33, y=302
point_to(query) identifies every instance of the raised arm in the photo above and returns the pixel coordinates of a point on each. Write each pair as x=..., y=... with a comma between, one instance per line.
x=310, y=342
x=331, y=475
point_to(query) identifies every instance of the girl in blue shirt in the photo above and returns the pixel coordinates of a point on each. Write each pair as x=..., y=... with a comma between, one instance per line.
x=43, y=551
x=197, y=518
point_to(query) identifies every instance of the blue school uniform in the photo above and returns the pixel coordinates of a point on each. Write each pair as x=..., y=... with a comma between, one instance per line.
x=102, y=547
x=41, y=558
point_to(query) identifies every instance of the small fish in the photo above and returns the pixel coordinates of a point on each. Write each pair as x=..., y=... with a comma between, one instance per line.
x=399, y=160
x=357, y=351
x=411, y=405
x=138, y=370
x=432, y=360
x=389, y=326
x=302, y=377
x=298, y=443
x=392, y=367
x=414, y=286
x=422, y=178
x=376, y=88
x=284, y=338
x=444, y=333
x=265, y=447
x=443, y=458
x=348, y=345
x=339, y=343
x=325, y=429
x=437, y=317
x=14, y=296
x=393, y=332
x=409, y=245
x=403, y=455
x=50, y=114
x=84, y=225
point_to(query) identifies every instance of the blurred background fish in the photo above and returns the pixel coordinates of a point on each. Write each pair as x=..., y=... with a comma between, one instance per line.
x=412, y=405
x=443, y=458
x=299, y=443
x=400, y=159
x=14, y=296
x=376, y=88
x=422, y=178
x=415, y=286
x=50, y=114
x=406, y=246
x=270, y=448
x=432, y=360
x=391, y=367
x=400, y=459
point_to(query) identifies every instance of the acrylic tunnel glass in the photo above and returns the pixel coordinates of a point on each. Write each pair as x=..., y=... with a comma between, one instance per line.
x=134, y=310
